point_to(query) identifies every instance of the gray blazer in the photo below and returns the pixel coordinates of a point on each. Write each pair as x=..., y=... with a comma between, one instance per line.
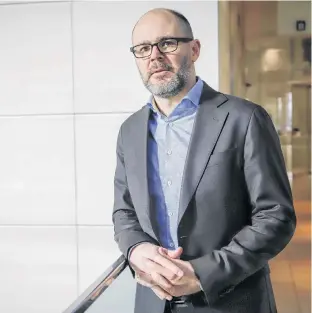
x=236, y=209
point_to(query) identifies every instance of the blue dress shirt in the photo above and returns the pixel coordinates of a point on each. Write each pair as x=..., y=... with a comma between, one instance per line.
x=168, y=142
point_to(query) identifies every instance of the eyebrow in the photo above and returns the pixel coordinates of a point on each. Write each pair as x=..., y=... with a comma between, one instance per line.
x=157, y=40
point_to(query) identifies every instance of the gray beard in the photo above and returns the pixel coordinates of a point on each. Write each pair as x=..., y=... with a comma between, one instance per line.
x=174, y=86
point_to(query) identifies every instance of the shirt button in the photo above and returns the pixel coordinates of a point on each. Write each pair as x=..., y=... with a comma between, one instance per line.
x=170, y=213
x=169, y=152
x=169, y=182
x=170, y=124
x=171, y=244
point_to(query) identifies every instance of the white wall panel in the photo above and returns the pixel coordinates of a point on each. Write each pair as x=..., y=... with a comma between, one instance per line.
x=106, y=77
x=37, y=170
x=97, y=251
x=38, y=269
x=6, y=2
x=96, y=137
x=35, y=59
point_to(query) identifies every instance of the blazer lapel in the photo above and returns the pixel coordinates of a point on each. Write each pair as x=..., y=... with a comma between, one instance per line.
x=207, y=128
x=139, y=168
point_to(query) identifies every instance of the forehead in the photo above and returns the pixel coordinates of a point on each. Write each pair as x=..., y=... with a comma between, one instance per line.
x=155, y=25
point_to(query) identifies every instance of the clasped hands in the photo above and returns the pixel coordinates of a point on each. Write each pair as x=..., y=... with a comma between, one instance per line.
x=162, y=271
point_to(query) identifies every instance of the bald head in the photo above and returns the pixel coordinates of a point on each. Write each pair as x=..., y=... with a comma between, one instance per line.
x=167, y=69
x=167, y=15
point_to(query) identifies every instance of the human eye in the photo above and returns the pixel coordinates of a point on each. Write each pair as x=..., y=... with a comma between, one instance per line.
x=144, y=48
x=168, y=43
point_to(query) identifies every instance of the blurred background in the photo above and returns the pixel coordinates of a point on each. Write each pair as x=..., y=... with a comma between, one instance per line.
x=68, y=81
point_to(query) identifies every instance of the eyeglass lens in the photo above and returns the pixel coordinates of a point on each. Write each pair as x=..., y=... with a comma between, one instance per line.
x=164, y=46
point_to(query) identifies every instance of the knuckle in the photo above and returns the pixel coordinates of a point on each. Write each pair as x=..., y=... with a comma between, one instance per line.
x=155, y=277
x=157, y=282
x=163, y=283
x=171, y=276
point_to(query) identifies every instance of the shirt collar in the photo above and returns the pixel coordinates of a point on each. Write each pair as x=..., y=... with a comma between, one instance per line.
x=193, y=95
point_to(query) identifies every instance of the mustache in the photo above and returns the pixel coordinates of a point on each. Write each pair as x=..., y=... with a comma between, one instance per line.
x=160, y=66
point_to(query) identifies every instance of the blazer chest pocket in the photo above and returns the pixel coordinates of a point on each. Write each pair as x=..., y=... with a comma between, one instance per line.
x=220, y=157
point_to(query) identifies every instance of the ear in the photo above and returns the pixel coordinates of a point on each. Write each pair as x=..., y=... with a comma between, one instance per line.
x=196, y=45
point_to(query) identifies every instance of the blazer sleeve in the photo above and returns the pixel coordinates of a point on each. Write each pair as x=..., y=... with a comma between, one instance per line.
x=127, y=229
x=273, y=218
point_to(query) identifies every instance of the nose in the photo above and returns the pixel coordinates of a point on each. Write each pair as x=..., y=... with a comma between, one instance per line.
x=156, y=54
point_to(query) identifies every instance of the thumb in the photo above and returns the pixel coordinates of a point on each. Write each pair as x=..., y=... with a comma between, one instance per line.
x=173, y=254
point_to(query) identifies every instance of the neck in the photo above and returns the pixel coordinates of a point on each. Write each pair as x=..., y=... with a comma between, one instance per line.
x=167, y=105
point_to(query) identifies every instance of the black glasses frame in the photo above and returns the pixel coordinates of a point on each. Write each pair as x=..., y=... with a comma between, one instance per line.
x=178, y=39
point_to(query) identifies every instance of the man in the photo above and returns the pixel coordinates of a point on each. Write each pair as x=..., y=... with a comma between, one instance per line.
x=202, y=198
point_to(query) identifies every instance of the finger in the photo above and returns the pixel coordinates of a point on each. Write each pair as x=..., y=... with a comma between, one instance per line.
x=161, y=294
x=160, y=269
x=173, y=254
x=163, y=251
x=176, y=253
x=144, y=280
x=166, y=267
x=161, y=281
x=143, y=283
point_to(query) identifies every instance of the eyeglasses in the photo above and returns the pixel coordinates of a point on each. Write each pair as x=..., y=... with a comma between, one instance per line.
x=166, y=45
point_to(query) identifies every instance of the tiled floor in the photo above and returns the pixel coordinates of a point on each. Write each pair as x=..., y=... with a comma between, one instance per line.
x=291, y=269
